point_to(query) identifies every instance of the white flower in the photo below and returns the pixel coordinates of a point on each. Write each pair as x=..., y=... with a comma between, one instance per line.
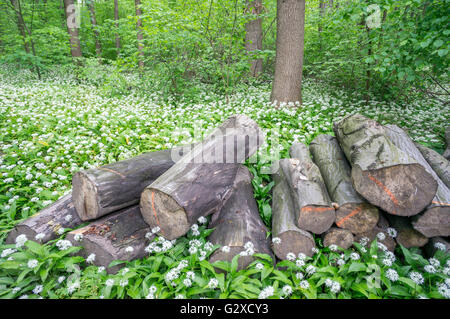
x=61, y=231
x=310, y=270
x=387, y=262
x=78, y=237
x=190, y=275
x=287, y=290
x=187, y=282
x=434, y=262
x=444, y=290
x=21, y=240
x=63, y=244
x=299, y=262
x=439, y=246
x=341, y=262
x=213, y=283
x=61, y=279
x=314, y=250
x=38, y=289
x=100, y=269
x=259, y=266
x=123, y=282
x=266, y=292
x=354, y=256
x=304, y=284
x=416, y=277
x=7, y=252
x=276, y=240
x=68, y=218
x=226, y=249
x=333, y=247
x=39, y=236
x=32, y=263
x=152, y=289
x=335, y=287
x=202, y=220
x=109, y=282
x=150, y=296
x=429, y=269
x=90, y=259
x=299, y=275
x=129, y=249
x=290, y=256
x=391, y=232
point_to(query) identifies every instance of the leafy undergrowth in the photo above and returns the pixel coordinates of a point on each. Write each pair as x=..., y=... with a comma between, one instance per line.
x=53, y=128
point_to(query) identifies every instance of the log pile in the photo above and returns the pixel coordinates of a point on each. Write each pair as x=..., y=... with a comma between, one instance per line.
x=361, y=184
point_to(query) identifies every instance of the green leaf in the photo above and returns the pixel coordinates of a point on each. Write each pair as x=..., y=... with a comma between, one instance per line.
x=356, y=267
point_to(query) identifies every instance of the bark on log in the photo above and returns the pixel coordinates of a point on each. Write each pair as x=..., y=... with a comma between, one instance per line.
x=292, y=239
x=238, y=223
x=435, y=221
x=110, y=238
x=201, y=181
x=447, y=142
x=407, y=236
x=388, y=241
x=383, y=174
x=60, y=214
x=438, y=162
x=313, y=210
x=339, y=237
x=100, y=191
x=353, y=212
x=431, y=249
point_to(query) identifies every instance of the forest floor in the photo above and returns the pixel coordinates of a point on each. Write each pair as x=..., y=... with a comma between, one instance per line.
x=52, y=128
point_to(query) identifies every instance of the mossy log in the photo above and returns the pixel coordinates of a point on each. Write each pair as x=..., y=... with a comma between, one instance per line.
x=339, y=237
x=47, y=222
x=435, y=220
x=439, y=163
x=388, y=241
x=383, y=174
x=117, y=236
x=352, y=212
x=201, y=181
x=312, y=204
x=292, y=239
x=238, y=224
x=407, y=236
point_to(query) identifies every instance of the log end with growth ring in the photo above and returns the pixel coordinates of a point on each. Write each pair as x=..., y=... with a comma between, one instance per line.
x=160, y=210
x=340, y=237
x=403, y=190
x=316, y=218
x=433, y=222
x=357, y=217
x=295, y=242
x=84, y=196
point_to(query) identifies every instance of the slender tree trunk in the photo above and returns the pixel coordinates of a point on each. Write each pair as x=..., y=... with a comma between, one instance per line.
x=21, y=25
x=116, y=18
x=289, y=56
x=140, y=36
x=321, y=13
x=98, y=46
x=253, y=35
x=74, y=40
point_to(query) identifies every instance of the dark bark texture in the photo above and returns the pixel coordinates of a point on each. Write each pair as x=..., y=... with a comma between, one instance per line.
x=74, y=40
x=253, y=35
x=238, y=223
x=438, y=162
x=383, y=174
x=60, y=214
x=353, y=212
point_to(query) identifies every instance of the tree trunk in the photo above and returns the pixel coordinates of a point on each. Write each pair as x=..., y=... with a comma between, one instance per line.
x=20, y=24
x=74, y=40
x=337, y=236
x=407, y=236
x=440, y=165
x=383, y=174
x=111, y=237
x=289, y=54
x=116, y=18
x=388, y=241
x=98, y=47
x=200, y=182
x=292, y=239
x=140, y=36
x=100, y=191
x=312, y=204
x=238, y=223
x=435, y=221
x=253, y=35
x=447, y=142
x=60, y=214
x=353, y=212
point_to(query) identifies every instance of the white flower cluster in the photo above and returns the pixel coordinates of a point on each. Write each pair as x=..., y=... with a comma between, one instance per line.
x=21, y=240
x=159, y=245
x=249, y=249
x=7, y=252
x=391, y=274
x=416, y=277
x=266, y=292
x=63, y=244
x=334, y=286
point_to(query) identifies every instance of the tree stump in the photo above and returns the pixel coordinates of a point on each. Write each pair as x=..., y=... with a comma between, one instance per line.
x=118, y=236
x=339, y=237
x=383, y=174
x=51, y=219
x=238, y=224
x=407, y=236
x=201, y=181
x=435, y=221
x=353, y=211
x=292, y=239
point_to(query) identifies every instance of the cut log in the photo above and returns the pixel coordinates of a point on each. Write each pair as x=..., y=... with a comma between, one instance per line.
x=431, y=248
x=47, y=222
x=407, y=236
x=339, y=237
x=388, y=241
x=238, y=224
x=312, y=204
x=353, y=212
x=435, y=221
x=292, y=239
x=438, y=162
x=118, y=236
x=201, y=181
x=447, y=142
x=100, y=191
x=383, y=174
